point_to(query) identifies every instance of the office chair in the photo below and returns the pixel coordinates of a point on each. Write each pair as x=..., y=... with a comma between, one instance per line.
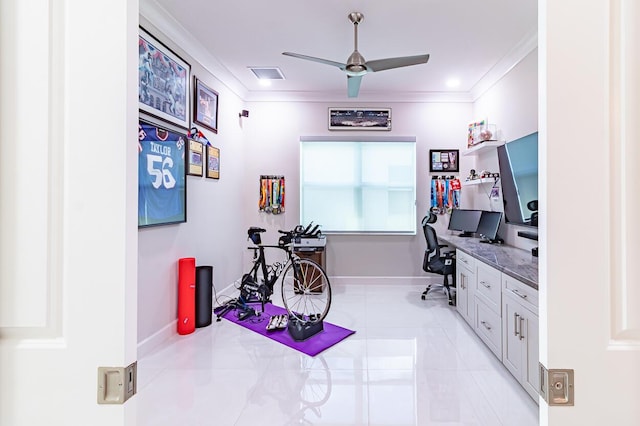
x=438, y=262
x=533, y=206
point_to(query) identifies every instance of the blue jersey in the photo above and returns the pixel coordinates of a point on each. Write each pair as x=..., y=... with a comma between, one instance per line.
x=161, y=176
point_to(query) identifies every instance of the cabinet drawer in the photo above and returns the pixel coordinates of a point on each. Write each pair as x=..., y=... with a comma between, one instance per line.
x=527, y=296
x=488, y=326
x=464, y=260
x=489, y=286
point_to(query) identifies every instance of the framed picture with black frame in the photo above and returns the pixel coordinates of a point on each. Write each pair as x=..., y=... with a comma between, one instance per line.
x=162, y=189
x=444, y=160
x=164, y=82
x=359, y=118
x=205, y=106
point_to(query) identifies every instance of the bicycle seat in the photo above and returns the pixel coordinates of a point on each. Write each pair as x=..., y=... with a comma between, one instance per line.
x=254, y=234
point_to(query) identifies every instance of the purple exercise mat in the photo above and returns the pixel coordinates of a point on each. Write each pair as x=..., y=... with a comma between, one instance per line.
x=328, y=337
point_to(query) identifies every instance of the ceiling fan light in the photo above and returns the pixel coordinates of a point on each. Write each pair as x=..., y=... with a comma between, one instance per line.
x=356, y=68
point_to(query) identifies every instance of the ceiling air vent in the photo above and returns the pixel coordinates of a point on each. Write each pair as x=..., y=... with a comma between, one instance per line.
x=267, y=73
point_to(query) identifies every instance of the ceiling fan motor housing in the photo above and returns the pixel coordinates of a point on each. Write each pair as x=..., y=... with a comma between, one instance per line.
x=356, y=63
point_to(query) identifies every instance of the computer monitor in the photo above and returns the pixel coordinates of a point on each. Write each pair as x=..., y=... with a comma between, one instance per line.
x=488, y=226
x=465, y=220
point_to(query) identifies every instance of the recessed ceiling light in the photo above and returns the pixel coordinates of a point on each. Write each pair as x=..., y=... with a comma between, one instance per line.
x=453, y=82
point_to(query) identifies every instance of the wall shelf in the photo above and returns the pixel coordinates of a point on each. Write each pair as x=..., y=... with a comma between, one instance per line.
x=480, y=181
x=483, y=146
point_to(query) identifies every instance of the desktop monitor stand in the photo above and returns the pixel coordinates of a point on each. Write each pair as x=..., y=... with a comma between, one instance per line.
x=466, y=234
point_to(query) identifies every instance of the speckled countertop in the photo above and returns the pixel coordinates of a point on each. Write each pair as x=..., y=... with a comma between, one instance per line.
x=515, y=262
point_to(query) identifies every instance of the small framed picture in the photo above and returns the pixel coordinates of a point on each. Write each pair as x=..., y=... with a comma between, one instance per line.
x=444, y=160
x=213, y=162
x=195, y=158
x=205, y=107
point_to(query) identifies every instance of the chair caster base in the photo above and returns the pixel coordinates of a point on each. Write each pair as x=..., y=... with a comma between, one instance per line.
x=424, y=294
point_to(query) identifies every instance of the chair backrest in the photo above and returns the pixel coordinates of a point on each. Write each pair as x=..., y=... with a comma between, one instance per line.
x=432, y=261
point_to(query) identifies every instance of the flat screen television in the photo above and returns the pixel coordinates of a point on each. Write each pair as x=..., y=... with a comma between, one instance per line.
x=488, y=227
x=518, y=162
x=465, y=220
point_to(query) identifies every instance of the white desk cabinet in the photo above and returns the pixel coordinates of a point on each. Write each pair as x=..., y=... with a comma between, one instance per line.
x=488, y=307
x=465, y=283
x=501, y=310
x=520, y=333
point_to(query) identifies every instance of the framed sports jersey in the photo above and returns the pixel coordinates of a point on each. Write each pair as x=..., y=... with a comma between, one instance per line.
x=162, y=190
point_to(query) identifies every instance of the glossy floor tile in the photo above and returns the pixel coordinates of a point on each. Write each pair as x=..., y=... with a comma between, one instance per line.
x=411, y=362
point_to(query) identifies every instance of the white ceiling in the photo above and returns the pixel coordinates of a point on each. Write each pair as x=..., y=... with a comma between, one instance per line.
x=475, y=41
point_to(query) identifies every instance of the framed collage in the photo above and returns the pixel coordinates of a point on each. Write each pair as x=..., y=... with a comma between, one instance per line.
x=163, y=82
x=444, y=160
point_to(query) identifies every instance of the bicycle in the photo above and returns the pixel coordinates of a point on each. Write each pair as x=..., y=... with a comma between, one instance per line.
x=305, y=287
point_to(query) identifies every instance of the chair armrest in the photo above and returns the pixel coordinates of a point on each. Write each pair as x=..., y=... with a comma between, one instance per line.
x=443, y=245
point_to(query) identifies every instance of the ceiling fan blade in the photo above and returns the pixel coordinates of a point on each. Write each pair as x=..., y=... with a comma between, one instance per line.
x=314, y=59
x=353, y=85
x=389, y=63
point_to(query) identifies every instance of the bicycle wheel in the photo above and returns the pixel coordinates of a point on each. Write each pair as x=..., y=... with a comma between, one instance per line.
x=306, y=291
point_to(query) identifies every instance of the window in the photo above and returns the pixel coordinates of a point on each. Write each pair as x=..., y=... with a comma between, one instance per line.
x=359, y=186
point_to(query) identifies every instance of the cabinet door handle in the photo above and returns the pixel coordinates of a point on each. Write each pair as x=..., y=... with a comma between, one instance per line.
x=521, y=323
x=517, y=293
x=515, y=324
x=486, y=325
x=484, y=283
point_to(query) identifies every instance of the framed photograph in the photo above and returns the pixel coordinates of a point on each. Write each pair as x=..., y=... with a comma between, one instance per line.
x=205, y=106
x=163, y=82
x=162, y=191
x=213, y=162
x=195, y=158
x=444, y=160
x=359, y=119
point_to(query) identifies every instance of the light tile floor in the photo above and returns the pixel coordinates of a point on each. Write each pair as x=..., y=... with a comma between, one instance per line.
x=411, y=362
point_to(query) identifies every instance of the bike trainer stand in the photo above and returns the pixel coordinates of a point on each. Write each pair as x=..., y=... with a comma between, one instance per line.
x=301, y=331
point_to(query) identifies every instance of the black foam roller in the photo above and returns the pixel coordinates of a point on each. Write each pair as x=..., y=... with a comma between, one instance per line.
x=204, y=295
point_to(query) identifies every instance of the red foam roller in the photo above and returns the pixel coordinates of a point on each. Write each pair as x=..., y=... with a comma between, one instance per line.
x=186, y=295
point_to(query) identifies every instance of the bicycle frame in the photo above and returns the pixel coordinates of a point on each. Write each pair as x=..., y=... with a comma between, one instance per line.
x=263, y=290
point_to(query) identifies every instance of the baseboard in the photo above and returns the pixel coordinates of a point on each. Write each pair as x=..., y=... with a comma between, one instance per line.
x=156, y=339
x=346, y=280
x=147, y=346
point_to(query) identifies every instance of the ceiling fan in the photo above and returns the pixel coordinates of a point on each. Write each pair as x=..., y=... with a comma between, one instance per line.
x=356, y=66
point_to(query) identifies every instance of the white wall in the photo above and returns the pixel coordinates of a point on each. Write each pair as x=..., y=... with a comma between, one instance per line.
x=511, y=104
x=214, y=232
x=273, y=131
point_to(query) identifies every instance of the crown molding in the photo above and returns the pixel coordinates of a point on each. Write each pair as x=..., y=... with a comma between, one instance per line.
x=520, y=51
x=172, y=29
